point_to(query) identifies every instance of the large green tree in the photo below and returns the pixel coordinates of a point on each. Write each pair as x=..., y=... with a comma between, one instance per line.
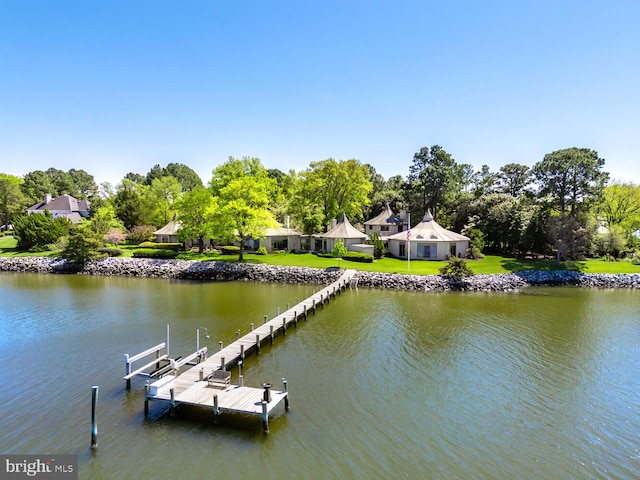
x=244, y=190
x=571, y=179
x=162, y=194
x=433, y=175
x=130, y=202
x=620, y=207
x=329, y=188
x=514, y=179
x=12, y=200
x=195, y=213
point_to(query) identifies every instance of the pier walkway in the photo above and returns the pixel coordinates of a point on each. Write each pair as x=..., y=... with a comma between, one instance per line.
x=200, y=385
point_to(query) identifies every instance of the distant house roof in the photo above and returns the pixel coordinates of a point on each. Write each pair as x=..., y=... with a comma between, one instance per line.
x=170, y=228
x=386, y=217
x=344, y=229
x=281, y=232
x=62, y=206
x=429, y=230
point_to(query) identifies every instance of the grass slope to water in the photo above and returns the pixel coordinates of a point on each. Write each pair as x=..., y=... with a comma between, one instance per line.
x=491, y=264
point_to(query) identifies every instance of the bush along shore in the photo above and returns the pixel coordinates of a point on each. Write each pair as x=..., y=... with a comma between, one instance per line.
x=222, y=271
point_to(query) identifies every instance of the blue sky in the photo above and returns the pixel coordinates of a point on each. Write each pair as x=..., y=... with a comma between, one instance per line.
x=118, y=86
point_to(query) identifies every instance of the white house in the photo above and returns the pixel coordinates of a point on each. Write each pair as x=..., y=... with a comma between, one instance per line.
x=428, y=241
x=385, y=224
x=63, y=206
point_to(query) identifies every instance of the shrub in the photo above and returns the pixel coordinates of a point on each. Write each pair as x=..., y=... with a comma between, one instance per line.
x=230, y=250
x=358, y=257
x=378, y=245
x=111, y=251
x=162, y=246
x=114, y=236
x=262, y=251
x=324, y=255
x=34, y=232
x=456, y=268
x=154, y=253
x=83, y=245
x=141, y=233
x=339, y=249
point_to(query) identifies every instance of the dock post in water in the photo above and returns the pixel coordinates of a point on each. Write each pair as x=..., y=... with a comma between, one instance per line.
x=94, y=425
x=173, y=399
x=258, y=343
x=147, y=387
x=284, y=326
x=127, y=367
x=216, y=410
x=265, y=417
x=271, y=333
x=286, y=398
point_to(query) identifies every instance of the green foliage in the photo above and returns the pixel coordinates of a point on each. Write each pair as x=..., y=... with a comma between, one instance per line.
x=620, y=207
x=12, y=200
x=261, y=251
x=328, y=189
x=230, y=250
x=476, y=243
x=141, y=233
x=132, y=205
x=339, y=249
x=34, y=232
x=243, y=190
x=111, y=251
x=154, y=253
x=195, y=213
x=104, y=220
x=358, y=257
x=456, y=268
x=571, y=178
x=378, y=245
x=162, y=245
x=162, y=195
x=83, y=245
x=433, y=175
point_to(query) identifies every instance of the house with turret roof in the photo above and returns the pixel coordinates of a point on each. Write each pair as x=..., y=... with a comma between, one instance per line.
x=428, y=240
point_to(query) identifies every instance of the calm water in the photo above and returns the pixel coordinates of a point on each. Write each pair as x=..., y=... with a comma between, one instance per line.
x=542, y=384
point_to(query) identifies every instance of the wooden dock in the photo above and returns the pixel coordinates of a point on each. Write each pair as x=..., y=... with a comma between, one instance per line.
x=193, y=385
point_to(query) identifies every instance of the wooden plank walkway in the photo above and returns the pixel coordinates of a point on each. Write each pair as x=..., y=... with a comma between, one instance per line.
x=191, y=387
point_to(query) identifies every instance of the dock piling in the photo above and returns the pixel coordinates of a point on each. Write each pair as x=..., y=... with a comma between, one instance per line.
x=146, y=399
x=94, y=425
x=258, y=343
x=265, y=417
x=286, y=398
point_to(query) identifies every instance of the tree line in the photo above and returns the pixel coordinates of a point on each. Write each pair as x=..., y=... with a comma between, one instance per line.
x=565, y=205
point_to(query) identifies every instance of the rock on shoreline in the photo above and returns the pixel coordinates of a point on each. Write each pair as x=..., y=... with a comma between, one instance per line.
x=221, y=271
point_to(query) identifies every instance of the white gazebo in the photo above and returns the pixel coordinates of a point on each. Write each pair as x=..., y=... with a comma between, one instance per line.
x=428, y=241
x=344, y=231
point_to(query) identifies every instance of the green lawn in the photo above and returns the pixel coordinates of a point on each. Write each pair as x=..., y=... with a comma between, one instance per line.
x=489, y=265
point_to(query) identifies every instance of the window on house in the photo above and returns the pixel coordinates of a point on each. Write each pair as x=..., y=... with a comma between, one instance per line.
x=403, y=250
x=282, y=244
x=427, y=250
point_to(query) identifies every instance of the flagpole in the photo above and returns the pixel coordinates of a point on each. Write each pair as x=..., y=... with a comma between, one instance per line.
x=408, y=241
